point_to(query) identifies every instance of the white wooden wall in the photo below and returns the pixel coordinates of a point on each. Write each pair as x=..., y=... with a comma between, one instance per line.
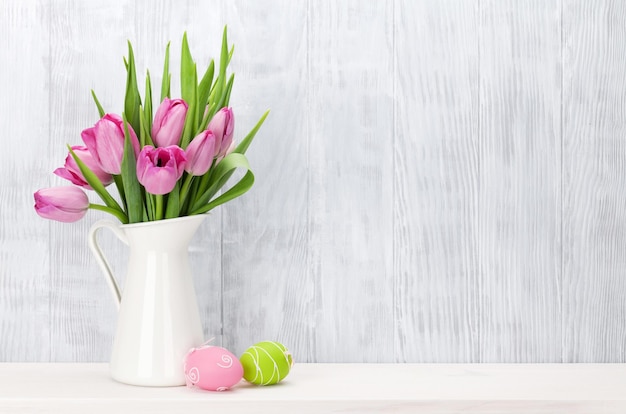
x=438, y=181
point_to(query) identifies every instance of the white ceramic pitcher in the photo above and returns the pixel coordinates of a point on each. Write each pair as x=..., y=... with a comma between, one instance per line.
x=158, y=320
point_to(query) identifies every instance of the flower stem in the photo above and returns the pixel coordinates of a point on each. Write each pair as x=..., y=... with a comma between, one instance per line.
x=159, y=207
x=185, y=189
x=202, y=185
x=117, y=213
x=120, y=189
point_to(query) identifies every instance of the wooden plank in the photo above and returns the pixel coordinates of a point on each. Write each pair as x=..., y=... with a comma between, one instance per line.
x=24, y=238
x=520, y=185
x=82, y=312
x=594, y=178
x=268, y=287
x=436, y=181
x=350, y=179
x=437, y=239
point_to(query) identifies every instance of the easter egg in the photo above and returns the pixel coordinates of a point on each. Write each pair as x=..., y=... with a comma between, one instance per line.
x=266, y=363
x=212, y=368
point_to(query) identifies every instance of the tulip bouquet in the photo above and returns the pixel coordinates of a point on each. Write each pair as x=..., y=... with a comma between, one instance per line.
x=171, y=165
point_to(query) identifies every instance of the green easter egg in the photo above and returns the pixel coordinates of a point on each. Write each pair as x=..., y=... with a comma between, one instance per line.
x=266, y=363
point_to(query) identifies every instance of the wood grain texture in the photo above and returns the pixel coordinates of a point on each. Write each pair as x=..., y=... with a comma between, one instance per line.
x=520, y=184
x=83, y=313
x=438, y=181
x=268, y=287
x=24, y=244
x=435, y=181
x=350, y=179
x=594, y=178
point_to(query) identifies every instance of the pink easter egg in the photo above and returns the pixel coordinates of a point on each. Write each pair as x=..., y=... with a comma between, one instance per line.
x=212, y=368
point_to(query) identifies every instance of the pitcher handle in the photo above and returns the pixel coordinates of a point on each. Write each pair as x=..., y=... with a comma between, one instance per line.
x=102, y=261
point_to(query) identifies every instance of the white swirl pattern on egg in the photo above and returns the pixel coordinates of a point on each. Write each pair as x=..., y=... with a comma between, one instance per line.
x=227, y=360
x=193, y=375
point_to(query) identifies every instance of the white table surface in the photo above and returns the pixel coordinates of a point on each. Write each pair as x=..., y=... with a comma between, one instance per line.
x=330, y=388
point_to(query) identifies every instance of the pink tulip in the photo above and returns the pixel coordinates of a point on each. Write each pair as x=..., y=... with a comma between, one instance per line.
x=169, y=121
x=200, y=153
x=66, y=204
x=230, y=149
x=72, y=173
x=158, y=169
x=223, y=126
x=105, y=142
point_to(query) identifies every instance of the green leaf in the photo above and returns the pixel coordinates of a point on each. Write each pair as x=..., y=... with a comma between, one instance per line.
x=219, y=176
x=229, y=88
x=225, y=55
x=120, y=189
x=189, y=198
x=184, y=191
x=173, y=202
x=235, y=191
x=132, y=188
x=218, y=89
x=189, y=91
x=100, y=109
x=147, y=112
x=217, y=85
x=95, y=183
x=204, y=89
x=222, y=173
x=120, y=216
x=132, y=100
x=142, y=129
x=190, y=124
x=245, y=143
x=167, y=77
x=226, y=92
x=145, y=136
x=150, y=210
x=187, y=69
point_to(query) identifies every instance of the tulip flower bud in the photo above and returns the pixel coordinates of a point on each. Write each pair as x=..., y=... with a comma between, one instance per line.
x=230, y=149
x=71, y=172
x=105, y=142
x=65, y=204
x=169, y=122
x=223, y=126
x=158, y=169
x=200, y=153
